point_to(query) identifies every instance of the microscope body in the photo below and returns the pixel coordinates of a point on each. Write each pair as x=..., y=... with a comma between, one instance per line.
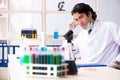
x=69, y=57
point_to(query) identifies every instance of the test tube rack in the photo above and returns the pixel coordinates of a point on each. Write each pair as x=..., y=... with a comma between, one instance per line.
x=38, y=62
x=29, y=33
x=45, y=70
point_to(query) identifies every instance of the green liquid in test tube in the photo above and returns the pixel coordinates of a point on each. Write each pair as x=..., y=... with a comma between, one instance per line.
x=58, y=55
x=26, y=59
x=36, y=59
x=59, y=59
x=51, y=59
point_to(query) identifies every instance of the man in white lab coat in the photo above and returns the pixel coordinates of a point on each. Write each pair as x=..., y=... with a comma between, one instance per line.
x=98, y=42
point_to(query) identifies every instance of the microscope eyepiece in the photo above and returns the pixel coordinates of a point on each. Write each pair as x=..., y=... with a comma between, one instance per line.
x=68, y=36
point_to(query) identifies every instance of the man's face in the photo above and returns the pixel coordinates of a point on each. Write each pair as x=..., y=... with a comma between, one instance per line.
x=82, y=19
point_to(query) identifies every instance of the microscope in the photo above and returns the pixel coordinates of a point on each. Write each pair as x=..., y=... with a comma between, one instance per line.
x=69, y=58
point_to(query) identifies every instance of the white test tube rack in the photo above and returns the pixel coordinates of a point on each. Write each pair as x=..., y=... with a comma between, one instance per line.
x=45, y=70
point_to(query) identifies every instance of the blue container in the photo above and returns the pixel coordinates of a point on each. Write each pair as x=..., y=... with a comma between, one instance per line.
x=56, y=35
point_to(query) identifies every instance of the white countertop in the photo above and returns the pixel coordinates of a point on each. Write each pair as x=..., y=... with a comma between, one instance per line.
x=88, y=73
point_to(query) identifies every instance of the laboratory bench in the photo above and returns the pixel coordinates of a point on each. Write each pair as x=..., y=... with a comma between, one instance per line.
x=15, y=71
x=86, y=73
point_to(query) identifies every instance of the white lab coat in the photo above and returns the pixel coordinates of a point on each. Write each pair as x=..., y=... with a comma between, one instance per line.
x=102, y=45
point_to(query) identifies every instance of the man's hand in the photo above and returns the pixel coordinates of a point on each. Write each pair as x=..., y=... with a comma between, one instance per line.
x=72, y=24
x=115, y=65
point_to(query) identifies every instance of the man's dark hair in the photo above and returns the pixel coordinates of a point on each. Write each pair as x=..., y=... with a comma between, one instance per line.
x=84, y=8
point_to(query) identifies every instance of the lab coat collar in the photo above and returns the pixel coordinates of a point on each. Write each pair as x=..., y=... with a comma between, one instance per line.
x=94, y=28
